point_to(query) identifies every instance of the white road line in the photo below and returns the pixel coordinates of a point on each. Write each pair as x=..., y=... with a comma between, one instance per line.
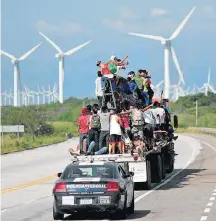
x=212, y=198
x=203, y=218
x=167, y=180
x=213, y=194
x=214, y=190
x=207, y=210
x=213, y=148
x=4, y=210
x=209, y=204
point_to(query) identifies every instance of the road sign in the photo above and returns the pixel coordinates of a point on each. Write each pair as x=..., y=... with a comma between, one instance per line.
x=12, y=128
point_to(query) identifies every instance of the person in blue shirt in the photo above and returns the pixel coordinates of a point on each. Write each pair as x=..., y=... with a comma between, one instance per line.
x=132, y=85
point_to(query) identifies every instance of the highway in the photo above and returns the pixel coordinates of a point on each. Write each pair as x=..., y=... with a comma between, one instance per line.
x=188, y=194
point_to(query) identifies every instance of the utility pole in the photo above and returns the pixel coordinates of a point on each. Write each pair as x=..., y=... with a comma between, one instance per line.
x=196, y=113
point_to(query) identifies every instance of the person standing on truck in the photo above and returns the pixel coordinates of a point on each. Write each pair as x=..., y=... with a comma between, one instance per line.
x=94, y=125
x=115, y=132
x=105, y=126
x=137, y=121
x=149, y=125
x=83, y=128
x=98, y=88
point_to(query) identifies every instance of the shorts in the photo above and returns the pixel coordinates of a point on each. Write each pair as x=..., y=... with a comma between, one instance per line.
x=114, y=138
x=137, y=131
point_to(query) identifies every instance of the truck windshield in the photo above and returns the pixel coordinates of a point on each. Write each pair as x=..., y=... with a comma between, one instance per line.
x=100, y=171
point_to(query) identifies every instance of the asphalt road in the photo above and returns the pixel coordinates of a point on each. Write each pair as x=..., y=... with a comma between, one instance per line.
x=188, y=194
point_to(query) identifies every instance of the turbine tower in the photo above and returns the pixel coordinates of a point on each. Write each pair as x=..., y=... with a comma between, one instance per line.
x=169, y=49
x=15, y=61
x=60, y=55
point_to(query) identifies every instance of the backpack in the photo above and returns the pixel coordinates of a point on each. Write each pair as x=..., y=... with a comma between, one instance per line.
x=137, y=118
x=95, y=122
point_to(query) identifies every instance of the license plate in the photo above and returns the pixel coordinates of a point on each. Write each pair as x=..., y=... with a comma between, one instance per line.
x=67, y=200
x=85, y=201
x=104, y=200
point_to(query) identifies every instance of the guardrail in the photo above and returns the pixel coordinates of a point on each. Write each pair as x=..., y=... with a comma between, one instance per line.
x=204, y=129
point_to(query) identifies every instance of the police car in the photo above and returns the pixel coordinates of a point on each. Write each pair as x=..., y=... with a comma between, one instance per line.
x=94, y=186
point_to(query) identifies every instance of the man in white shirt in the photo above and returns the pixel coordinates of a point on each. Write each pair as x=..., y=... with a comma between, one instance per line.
x=98, y=88
x=159, y=114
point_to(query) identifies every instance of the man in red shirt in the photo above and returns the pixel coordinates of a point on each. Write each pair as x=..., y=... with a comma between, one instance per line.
x=83, y=128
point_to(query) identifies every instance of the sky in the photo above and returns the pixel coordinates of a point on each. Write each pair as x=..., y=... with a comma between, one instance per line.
x=70, y=23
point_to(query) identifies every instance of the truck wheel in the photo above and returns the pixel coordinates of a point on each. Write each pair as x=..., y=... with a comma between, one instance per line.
x=148, y=184
x=163, y=166
x=156, y=168
x=57, y=216
x=170, y=160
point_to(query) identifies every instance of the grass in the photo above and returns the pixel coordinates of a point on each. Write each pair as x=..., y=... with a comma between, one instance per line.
x=11, y=143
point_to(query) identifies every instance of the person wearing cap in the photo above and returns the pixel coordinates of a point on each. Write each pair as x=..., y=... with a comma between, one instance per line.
x=83, y=128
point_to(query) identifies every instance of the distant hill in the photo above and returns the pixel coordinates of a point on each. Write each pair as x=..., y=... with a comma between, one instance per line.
x=185, y=109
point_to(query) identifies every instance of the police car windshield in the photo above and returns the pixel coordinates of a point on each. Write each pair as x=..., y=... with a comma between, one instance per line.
x=102, y=171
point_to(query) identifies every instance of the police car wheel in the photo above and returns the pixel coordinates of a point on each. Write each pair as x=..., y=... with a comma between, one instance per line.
x=57, y=216
x=122, y=214
x=131, y=208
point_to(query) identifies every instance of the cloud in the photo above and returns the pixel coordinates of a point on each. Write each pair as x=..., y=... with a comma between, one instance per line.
x=158, y=12
x=209, y=11
x=129, y=14
x=65, y=29
x=114, y=24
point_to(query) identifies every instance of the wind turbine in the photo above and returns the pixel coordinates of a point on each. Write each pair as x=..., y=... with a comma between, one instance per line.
x=60, y=55
x=169, y=49
x=156, y=89
x=15, y=61
x=207, y=86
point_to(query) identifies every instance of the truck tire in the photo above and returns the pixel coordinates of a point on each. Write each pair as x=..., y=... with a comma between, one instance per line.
x=163, y=166
x=148, y=184
x=156, y=168
x=170, y=158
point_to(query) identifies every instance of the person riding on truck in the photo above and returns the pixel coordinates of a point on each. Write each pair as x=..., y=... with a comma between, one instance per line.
x=83, y=128
x=115, y=132
x=94, y=128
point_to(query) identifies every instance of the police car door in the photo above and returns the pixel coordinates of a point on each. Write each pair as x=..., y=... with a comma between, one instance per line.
x=128, y=185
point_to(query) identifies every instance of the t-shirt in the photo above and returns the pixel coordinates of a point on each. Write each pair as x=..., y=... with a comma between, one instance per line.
x=104, y=120
x=98, y=87
x=125, y=121
x=83, y=124
x=149, y=117
x=139, y=82
x=159, y=114
x=145, y=84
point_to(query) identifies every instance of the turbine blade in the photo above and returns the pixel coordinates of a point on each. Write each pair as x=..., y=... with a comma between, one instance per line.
x=159, y=84
x=23, y=57
x=211, y=88
x=158, y=38
x=51, y=42
x=181, y=26
x=177, y=65
x=8, y=55
x=77, y=48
